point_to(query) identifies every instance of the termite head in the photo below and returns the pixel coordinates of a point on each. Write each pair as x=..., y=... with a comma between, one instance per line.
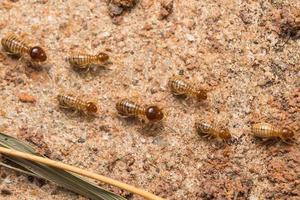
x=102, y=57
x=225, y=134
x=37, y=54
x=201, y=95
x=287, y=133
x=91, y=107
x=154, y=114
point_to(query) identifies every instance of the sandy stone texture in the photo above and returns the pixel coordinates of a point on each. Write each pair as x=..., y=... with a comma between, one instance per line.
x=246, y=52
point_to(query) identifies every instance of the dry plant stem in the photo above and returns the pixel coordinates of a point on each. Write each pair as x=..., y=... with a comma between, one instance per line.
x=82, y=172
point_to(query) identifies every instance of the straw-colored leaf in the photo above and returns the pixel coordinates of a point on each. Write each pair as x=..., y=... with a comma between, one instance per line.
x=18, y=168
x=65, y=179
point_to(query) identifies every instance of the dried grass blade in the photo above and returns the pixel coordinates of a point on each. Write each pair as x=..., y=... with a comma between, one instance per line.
x=60, y=177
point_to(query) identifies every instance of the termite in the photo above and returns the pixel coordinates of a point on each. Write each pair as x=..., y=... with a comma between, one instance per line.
x=180, y=86
x=85, y=61
x=77, y=104
x=265, y=130
x=12, y=44
x=211, y=130
x=128, y=108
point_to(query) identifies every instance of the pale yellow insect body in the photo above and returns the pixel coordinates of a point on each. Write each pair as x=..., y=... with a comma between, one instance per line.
x=265, y=130
x=72, y=102
x=127, y=108
x=180, y=86
x=211, y=130
x=12, y=44
x=84, y=61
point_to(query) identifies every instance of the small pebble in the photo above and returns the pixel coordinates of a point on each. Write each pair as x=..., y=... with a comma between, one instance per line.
x=81, y=140
x=30, y=179
x=190, y=38
x=26, y=98
x=6, y=192
x=106, y=34
x=40, y=182
x=114, y=10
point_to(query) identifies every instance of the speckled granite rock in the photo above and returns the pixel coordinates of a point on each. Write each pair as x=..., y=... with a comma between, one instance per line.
x=245, y=52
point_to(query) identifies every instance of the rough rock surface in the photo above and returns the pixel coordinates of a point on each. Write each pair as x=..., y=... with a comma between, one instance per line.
x=246, y=52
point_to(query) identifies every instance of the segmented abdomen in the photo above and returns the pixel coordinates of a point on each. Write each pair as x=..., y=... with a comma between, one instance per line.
x=14, y=45
x=264, y=130
x=71, y=102
x=206, y=128
x=127, y=107
x=81, y=60
x=179, y=86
